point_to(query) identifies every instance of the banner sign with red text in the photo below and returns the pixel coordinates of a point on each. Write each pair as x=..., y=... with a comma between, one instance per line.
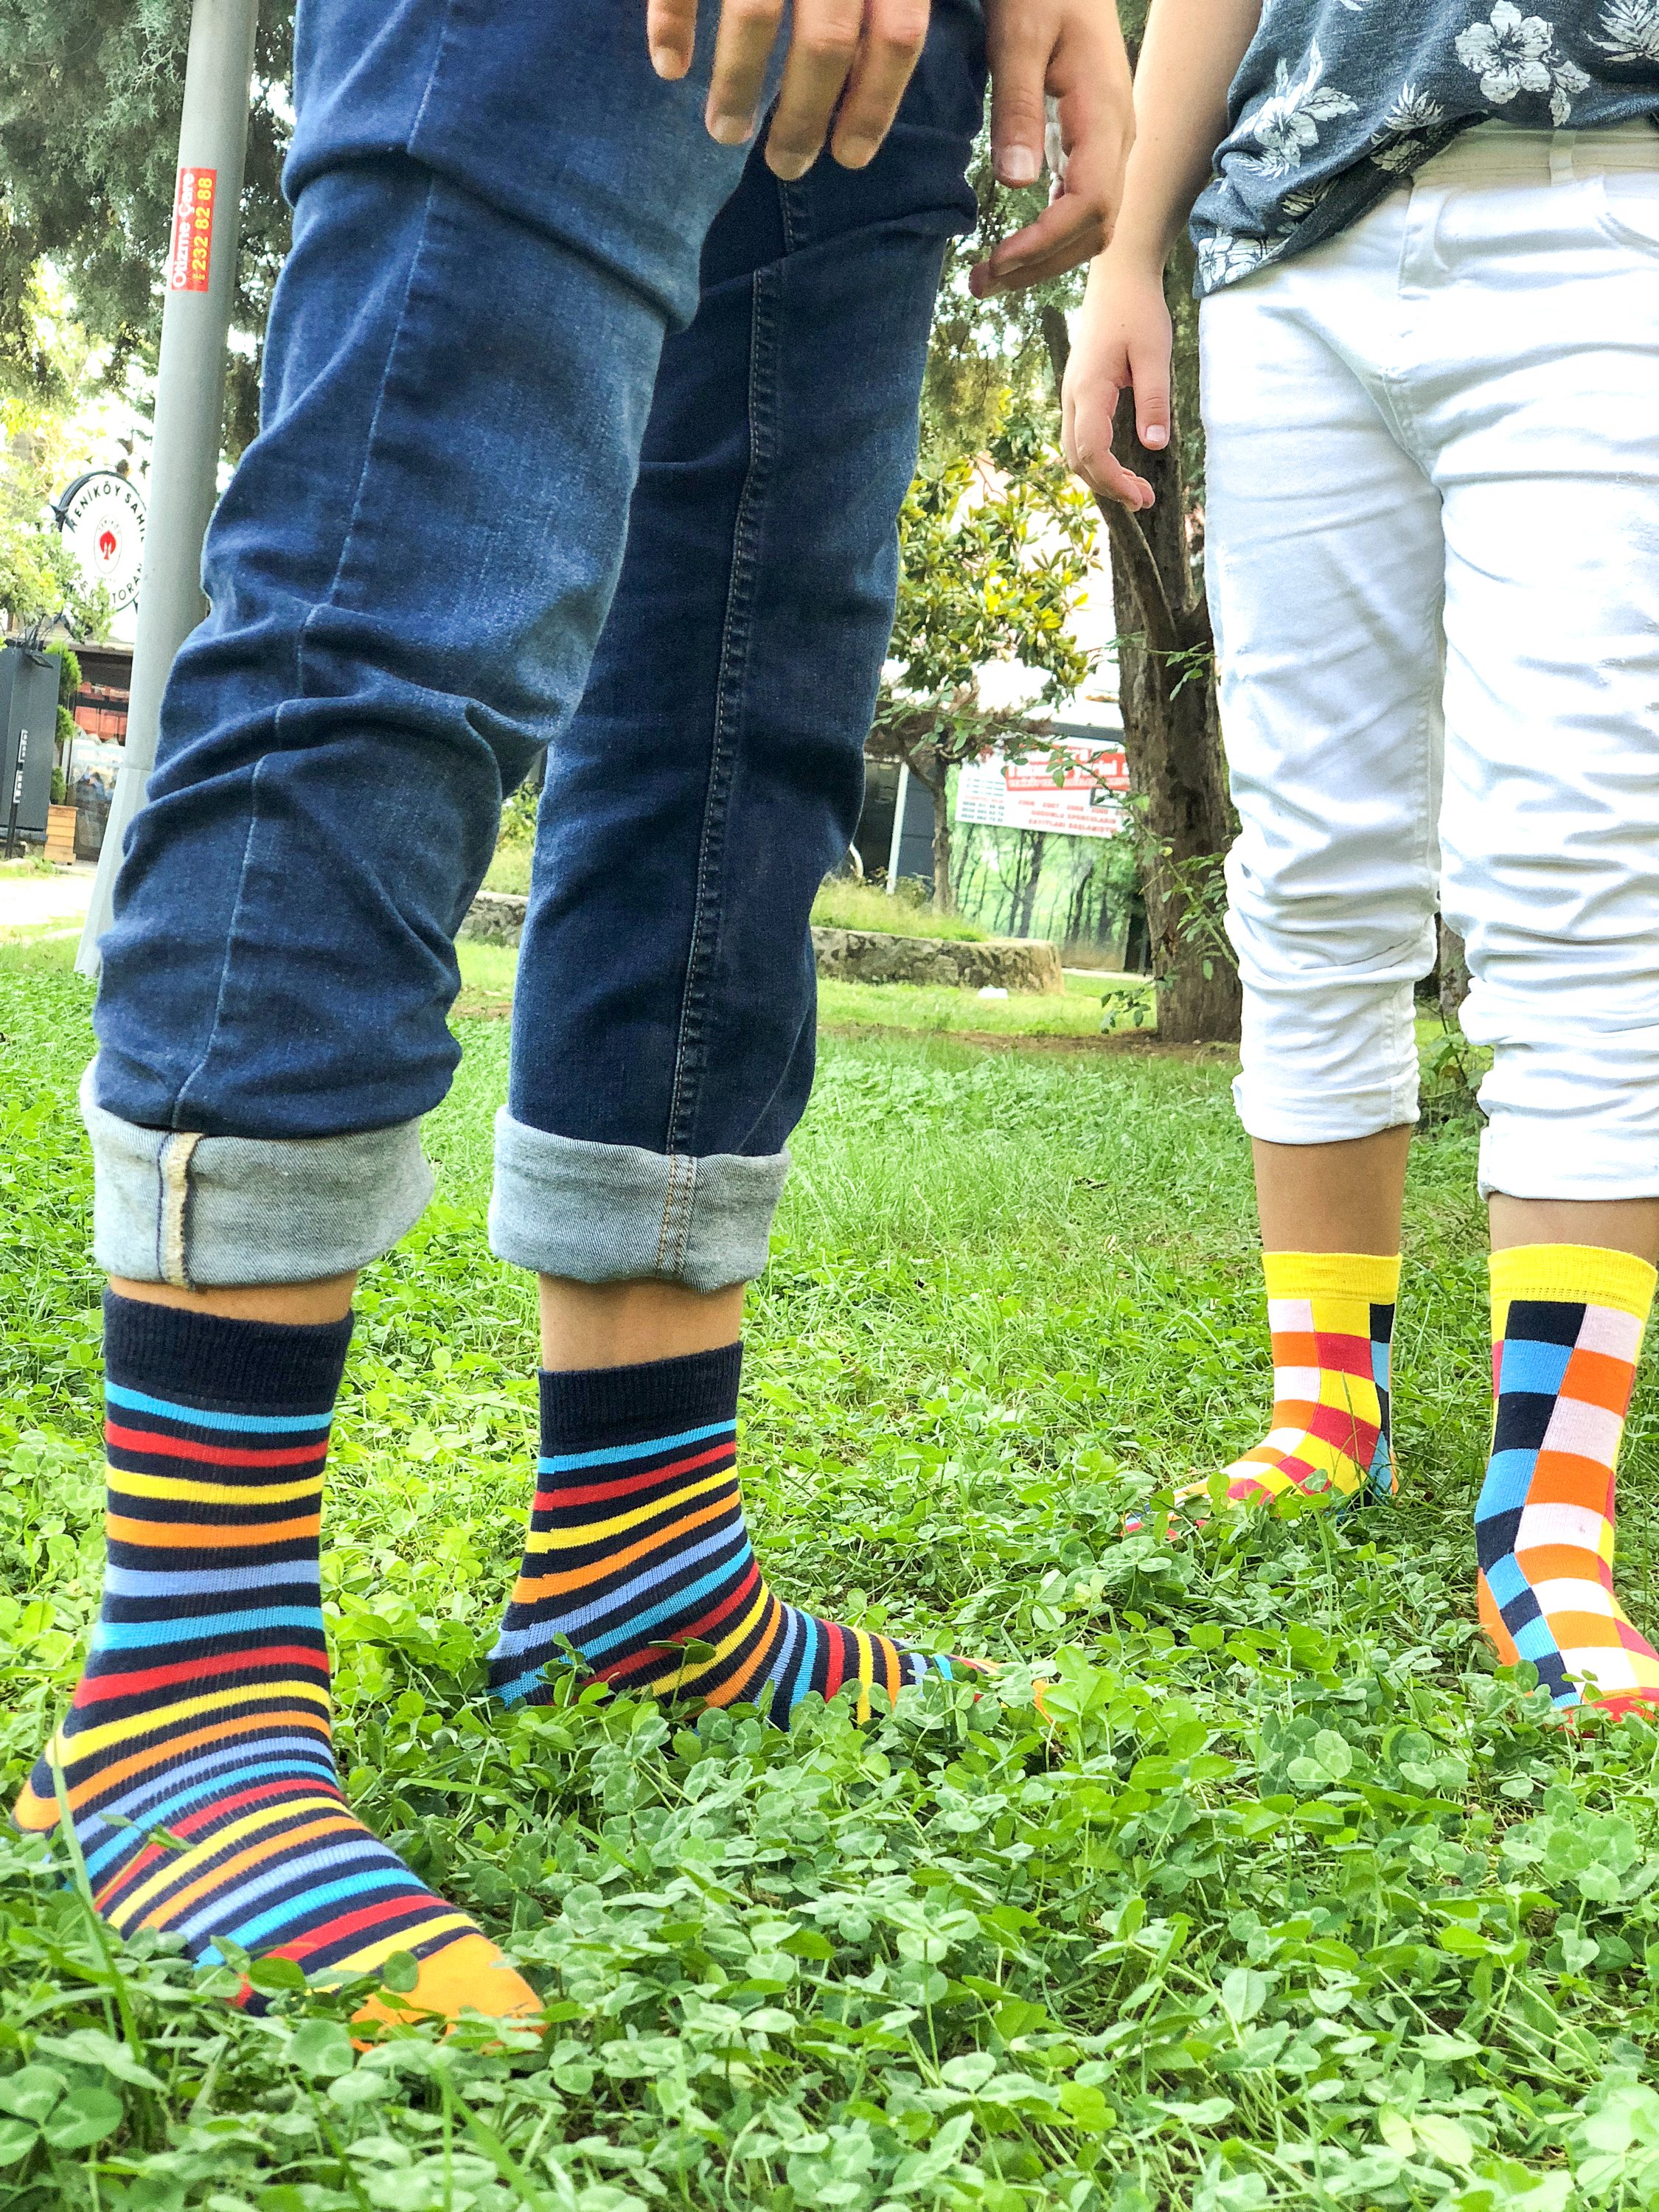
x=1024, y=794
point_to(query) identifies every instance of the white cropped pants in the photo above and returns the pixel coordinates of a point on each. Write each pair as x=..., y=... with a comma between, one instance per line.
x=1433, y=519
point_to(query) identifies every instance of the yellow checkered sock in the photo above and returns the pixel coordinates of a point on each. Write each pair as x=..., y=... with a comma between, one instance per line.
x=1332, y=1318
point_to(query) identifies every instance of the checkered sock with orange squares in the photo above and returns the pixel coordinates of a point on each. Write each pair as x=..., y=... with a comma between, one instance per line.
x=1332, y=1318
x=1567, y=1325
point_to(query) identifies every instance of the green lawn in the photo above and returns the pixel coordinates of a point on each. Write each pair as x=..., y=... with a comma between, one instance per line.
x=1291, y=1901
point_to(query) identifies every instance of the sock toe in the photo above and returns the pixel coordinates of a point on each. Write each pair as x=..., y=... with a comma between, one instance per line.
x=469, y=1975
x=34, y=1815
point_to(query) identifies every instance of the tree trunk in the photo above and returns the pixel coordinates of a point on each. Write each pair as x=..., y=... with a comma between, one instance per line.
x=1171, y=728
x=1454, y=967
x=939, y=793
x=1028, y=901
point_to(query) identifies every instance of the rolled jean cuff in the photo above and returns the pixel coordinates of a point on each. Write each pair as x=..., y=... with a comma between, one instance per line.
x=614, y=1213
x=208, y=1213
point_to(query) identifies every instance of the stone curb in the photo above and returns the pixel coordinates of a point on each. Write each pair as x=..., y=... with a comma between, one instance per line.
x=857, y=956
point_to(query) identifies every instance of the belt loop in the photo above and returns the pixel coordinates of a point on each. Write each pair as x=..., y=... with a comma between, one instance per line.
x=1564, y=148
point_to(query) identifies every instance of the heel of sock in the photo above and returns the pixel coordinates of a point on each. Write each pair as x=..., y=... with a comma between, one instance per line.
x=1381, y=1483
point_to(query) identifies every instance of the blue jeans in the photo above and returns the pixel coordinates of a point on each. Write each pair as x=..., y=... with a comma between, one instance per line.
x=526, y=290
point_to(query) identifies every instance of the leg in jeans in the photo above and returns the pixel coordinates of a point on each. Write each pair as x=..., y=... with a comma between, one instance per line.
x=663, y=1046
x=499, y=215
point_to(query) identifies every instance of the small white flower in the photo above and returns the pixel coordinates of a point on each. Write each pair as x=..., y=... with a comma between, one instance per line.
x=1223, y=259
x=1512, y=53
x=1286, y=124
x=1569, y=79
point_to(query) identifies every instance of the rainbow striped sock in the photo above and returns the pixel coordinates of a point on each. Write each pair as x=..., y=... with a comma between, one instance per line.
x=196, y=1758
x=638, y=1558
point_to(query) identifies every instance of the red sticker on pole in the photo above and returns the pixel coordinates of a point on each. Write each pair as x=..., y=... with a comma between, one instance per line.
x=189, y=259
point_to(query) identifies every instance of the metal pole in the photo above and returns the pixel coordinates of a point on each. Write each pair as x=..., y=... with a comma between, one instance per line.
x=189, y=400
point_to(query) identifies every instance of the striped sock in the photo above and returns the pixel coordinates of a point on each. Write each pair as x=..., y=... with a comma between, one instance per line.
x=1567, y=1322
x=638, y=1558
x=197, y=1757
x=1332, y=1318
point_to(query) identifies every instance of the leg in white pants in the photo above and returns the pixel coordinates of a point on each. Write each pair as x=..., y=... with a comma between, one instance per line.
x=1434, y=501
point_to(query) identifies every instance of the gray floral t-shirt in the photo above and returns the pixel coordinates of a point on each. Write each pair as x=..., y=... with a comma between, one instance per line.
x=1338, y=100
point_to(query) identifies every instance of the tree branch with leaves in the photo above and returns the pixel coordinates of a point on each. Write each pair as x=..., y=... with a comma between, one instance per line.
x=997, y=553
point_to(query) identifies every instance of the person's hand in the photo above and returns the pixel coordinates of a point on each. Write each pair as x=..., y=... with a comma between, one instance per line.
x=1071, y=51
x=849, y=62
x=1123, y=342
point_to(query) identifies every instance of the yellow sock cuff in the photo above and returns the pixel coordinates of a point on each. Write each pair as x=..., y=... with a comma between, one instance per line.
x=1576, y=1274
x=1365, y=1275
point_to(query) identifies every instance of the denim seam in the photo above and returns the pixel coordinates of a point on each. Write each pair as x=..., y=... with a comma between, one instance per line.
x=438, y=53
x=791, y=200
x=301, y=689
x=678, y=1207
x=237, y=905
x=733, y=669
x=370, y=443
x=173, y=1165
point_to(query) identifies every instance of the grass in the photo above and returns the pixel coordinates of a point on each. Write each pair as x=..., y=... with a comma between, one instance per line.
x=488, y=971
x=1291, y=1900
x=1074, y=1012
x=844, y=904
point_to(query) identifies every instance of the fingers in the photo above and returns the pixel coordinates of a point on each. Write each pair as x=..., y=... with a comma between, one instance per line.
x=856, y=55
x=1089, y=455
x=1095, y=382
x=822, y=53
x=1095, y=115
x=671, y=34
x=743, y=46
x=894, y=33
x=1069, y=231
x=1149, y=368
x=1020, y=44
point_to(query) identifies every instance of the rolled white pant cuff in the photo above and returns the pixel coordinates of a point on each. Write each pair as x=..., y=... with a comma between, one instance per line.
x=1315, y=1116
x=615, y=1213
x=208, y=1213
x=1583, y=1165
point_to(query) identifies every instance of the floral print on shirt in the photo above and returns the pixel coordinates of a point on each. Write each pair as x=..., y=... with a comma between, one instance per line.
x=1337, y=100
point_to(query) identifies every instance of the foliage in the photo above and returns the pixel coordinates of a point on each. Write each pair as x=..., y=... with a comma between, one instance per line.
x=40, y=582
x=515, y=844
x=996, y=555
x=1128, y=1002
x=90, y=93
x=1291, y=1902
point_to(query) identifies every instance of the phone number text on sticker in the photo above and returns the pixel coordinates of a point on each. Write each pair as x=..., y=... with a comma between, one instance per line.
x=190, y=260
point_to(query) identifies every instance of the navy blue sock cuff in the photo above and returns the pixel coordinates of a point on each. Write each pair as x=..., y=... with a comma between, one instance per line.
x=236, y=1366
x=597, y=1406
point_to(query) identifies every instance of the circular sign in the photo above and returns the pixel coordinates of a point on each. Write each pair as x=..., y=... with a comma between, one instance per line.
x=102, y=519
